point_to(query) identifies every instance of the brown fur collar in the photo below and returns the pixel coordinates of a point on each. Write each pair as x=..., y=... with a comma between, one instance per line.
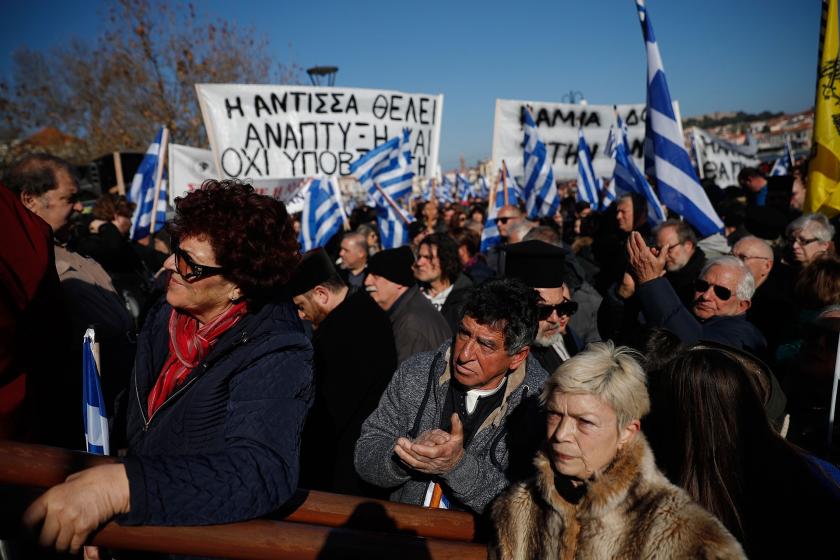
x=607, y=489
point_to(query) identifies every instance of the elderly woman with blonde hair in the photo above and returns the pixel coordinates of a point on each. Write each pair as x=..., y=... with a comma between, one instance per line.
x=597, y=492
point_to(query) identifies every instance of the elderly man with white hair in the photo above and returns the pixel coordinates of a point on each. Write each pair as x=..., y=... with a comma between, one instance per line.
x=597, y=492
x=722, y=295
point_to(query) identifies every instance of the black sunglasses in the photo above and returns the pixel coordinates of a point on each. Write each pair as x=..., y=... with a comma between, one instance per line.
x=504, y=219
x=189, y=269
x=567, y=308
x=722, y=293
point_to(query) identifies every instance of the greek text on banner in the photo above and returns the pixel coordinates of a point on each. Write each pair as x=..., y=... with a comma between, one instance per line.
x=264, y=131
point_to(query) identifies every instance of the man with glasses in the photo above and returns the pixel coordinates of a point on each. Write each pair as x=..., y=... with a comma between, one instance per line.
x=542, y=267
x=507, y=217
x=722, y=295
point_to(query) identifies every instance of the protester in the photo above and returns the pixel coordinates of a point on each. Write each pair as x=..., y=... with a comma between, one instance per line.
x=542, y=267
x=350, y=372
x=684, y=259
x=472, y=261
x=438, y=270
x=431, y=440
x=221, y=386
x=710, y=435
x=417, y=325
x=722, y=297
x=47, y=186
x=371, y=238
x=810, y=236
x=354, y=257
x=597, y=492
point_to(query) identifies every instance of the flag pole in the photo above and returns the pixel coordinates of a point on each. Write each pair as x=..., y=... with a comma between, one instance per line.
x=392, y=203
x=164, y=140
x=833, y=405
x=492, y=202
x=504, y=182
x=337, y=197
x=118, y=171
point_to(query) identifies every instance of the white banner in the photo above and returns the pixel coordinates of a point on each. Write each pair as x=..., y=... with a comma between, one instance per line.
x=260, y=131
x=189, y=167
x=557, y=125
x=718, y=159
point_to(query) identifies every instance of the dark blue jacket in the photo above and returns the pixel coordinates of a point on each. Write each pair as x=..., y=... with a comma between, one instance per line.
x=663, y=308
x=224, y=447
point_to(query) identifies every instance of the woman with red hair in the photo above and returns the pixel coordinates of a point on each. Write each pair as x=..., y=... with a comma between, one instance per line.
x=221, y=386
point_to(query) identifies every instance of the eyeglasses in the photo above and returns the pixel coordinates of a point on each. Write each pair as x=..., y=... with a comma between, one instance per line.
x=504, y=219
x=567, y=308
x=802, y=241
x=189, y=269
x=744, y=257
x=722, y=293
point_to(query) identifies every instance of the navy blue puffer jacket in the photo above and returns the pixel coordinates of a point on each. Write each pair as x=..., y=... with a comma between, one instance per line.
x=224, y=447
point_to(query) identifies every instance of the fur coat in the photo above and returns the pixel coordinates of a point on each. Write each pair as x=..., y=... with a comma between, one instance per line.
x=630, y=510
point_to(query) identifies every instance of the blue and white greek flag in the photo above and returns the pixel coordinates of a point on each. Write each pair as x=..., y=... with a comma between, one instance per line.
x=483, y=187
x=444, y=191
x=541, y=197
x=666, y=158
x=464, y=187
x=323, y=214
x=142, y=191
x=588, y=184
x=392, y=221
x=388, y=165
x=627, y=178
x=490, y=234
x=93, y=403
x=783, y=165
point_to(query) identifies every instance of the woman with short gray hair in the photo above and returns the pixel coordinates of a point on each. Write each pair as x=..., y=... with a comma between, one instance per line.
x=597, y=492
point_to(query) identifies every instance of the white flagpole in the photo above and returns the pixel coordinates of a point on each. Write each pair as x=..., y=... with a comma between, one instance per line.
x=833, y=405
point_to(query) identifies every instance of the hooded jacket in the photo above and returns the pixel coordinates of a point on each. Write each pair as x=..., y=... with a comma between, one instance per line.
x=630, y=510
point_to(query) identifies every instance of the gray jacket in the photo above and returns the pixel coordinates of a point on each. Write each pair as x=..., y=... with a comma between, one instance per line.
x=418, y=326
x=499, y=453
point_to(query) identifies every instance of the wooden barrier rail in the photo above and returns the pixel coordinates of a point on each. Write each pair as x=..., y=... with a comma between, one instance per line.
x=313, y=525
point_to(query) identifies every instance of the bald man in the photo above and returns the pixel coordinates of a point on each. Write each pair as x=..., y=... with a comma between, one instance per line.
x=773, y=310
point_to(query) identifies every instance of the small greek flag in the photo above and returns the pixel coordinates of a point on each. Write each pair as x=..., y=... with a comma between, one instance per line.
x=392, y=221
x=142, y=191
x=666, y=158
x=93, y=403
x=783, y=165
x=323, y=214
x=589, y=186
x=627, y=178
x=483, y=187
x=506, y=189
x=541, y=198
x=388, y=165
x=464, y=187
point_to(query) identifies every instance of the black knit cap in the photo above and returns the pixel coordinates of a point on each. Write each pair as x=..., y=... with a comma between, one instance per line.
x=393, y=265
x=537, y=263
x=315, y=268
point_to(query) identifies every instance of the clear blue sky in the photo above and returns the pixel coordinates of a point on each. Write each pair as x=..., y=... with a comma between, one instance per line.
x=719, y=55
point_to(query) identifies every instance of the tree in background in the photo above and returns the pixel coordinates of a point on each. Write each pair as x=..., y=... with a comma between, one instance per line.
x=114, y=92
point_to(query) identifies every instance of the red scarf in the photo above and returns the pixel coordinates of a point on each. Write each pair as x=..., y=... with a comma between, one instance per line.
x=189, y=344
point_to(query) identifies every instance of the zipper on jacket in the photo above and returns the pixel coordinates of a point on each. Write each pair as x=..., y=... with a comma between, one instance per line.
x=243, y=339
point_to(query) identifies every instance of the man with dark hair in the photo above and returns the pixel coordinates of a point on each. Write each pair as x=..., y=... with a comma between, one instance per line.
x=437, y=437
x=472, y=261
x=417, y=325
x=349, y=378
x=438, y=270
x=354, y=258
x=542, y=267
x=47, y=186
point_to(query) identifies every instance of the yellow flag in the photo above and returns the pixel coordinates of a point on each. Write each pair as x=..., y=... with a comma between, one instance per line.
x=823, y=193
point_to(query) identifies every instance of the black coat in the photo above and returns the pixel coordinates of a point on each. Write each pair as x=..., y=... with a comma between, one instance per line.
x=451, y=309
x=548, y=357
x=355, y=357
x=224, y=446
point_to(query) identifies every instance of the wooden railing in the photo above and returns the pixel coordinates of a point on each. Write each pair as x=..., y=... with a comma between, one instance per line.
x=313, y=525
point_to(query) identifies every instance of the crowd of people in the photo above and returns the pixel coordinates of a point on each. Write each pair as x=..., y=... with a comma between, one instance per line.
x=596, y=385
